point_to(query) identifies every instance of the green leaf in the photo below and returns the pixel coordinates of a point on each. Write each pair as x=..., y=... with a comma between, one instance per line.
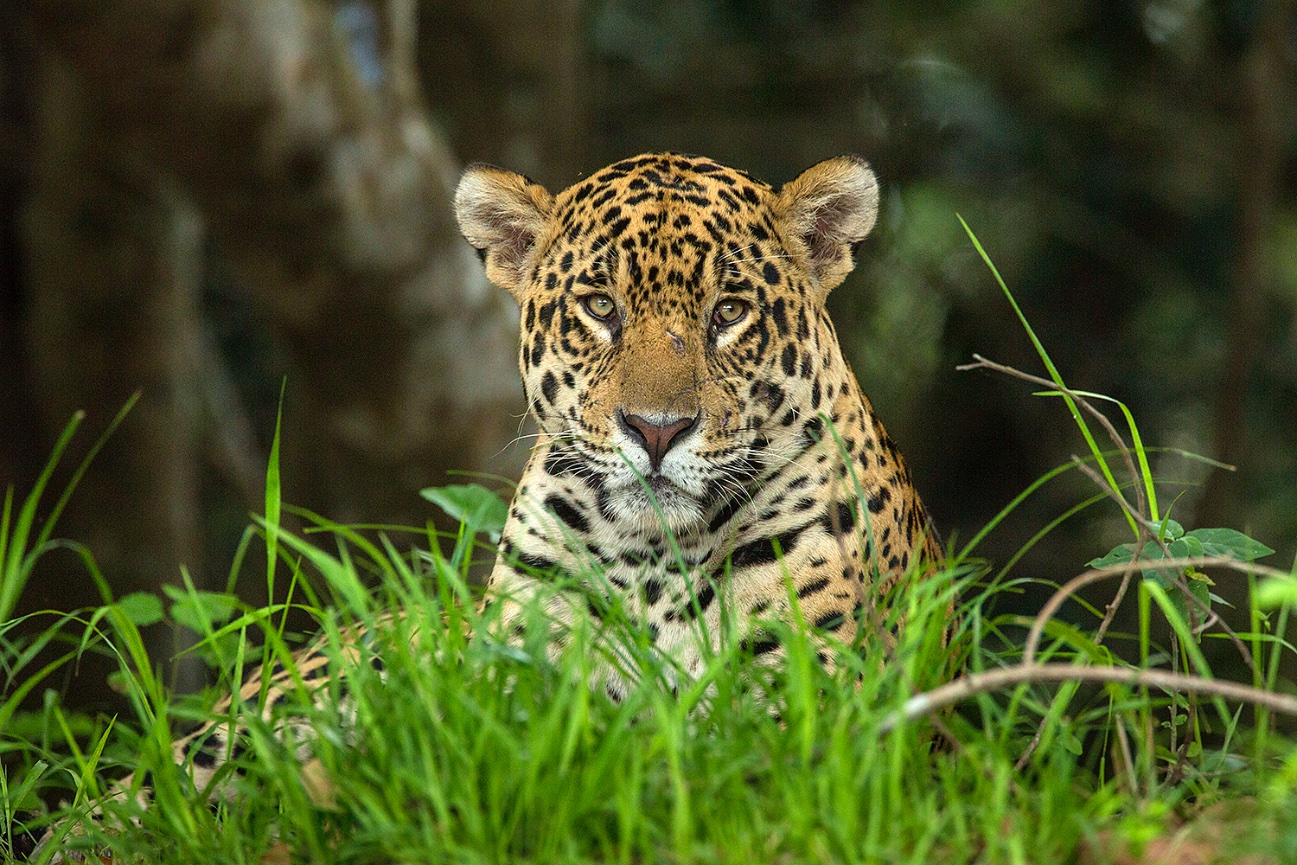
x=474, y=505
x=142, y=608
x=1122, y=554
x=1168, y=529
x=200, y=611
x=1118, y=555
x=1183, y=548
x=1228, y=542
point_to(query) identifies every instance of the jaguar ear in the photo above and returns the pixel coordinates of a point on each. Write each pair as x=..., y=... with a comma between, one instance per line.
x=504, y=215
x=829, y=208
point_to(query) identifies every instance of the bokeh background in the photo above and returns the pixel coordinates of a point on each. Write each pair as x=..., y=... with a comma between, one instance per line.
x=199, y=198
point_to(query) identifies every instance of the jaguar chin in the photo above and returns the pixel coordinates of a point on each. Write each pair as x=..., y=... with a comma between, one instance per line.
x=654, y=501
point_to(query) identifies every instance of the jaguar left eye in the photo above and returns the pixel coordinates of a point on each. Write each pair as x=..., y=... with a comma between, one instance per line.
x=729, y=311
x=601, y=306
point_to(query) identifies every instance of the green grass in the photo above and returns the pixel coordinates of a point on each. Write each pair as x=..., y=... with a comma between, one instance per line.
x=473, y=751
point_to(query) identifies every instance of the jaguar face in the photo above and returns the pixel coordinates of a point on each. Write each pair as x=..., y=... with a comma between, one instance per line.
x=672, y=320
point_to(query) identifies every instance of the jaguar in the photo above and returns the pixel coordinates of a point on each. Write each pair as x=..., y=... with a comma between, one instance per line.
x=706, y=463
x=705, y=451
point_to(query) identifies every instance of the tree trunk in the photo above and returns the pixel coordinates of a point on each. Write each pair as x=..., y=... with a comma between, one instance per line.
x=292, y=130
x=1261, y=91
x=113, y=259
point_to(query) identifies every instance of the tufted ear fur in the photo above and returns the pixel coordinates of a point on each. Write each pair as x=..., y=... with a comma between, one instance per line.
x=504, y=215
x=829, y=208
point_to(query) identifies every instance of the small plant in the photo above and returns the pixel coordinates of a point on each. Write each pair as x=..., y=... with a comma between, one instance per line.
x=1170, y=542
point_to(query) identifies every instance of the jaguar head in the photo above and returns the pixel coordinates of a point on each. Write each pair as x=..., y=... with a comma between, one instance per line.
x=673, y=325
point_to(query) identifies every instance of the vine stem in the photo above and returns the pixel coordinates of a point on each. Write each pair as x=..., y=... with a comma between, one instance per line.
x=1070, y=588
x=994, y=680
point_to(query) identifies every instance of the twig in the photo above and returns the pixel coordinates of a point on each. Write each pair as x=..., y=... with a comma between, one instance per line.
x=1140, y=520
x=994, y=680
x=983, y=363
x=1123, y=743
x=1110, y=612
x=1032, y=745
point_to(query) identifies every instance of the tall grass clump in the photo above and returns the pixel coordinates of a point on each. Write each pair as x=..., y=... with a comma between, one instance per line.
x=977, y=736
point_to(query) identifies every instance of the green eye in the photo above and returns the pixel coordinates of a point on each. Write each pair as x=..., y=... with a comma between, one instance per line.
x=729, y=311
x=601, y=306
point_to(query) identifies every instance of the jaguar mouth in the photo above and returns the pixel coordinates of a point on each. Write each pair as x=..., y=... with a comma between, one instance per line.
x=656, y=487
x=654, y=502
x=657, y=482
x=662, y=488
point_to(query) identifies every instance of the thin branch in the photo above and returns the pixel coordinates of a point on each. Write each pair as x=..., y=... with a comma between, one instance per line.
x=964, y=687
x=1128, y=761
x=1036, y=739
x=1110, y=612
x=1100, y=417
x=1117, y=497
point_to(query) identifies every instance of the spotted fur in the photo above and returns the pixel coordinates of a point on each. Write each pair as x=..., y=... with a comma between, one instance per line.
x=703, y=444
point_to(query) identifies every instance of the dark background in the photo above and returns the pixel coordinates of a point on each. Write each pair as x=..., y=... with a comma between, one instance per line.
x=1131, y=167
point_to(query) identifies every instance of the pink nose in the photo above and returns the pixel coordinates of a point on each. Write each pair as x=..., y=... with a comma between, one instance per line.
x=655, y=438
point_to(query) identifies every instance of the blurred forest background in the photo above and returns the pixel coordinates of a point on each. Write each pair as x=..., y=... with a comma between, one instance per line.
x=200, y=197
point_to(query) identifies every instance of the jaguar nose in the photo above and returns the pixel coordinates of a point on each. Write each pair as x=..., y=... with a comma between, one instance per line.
x=656, y=438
